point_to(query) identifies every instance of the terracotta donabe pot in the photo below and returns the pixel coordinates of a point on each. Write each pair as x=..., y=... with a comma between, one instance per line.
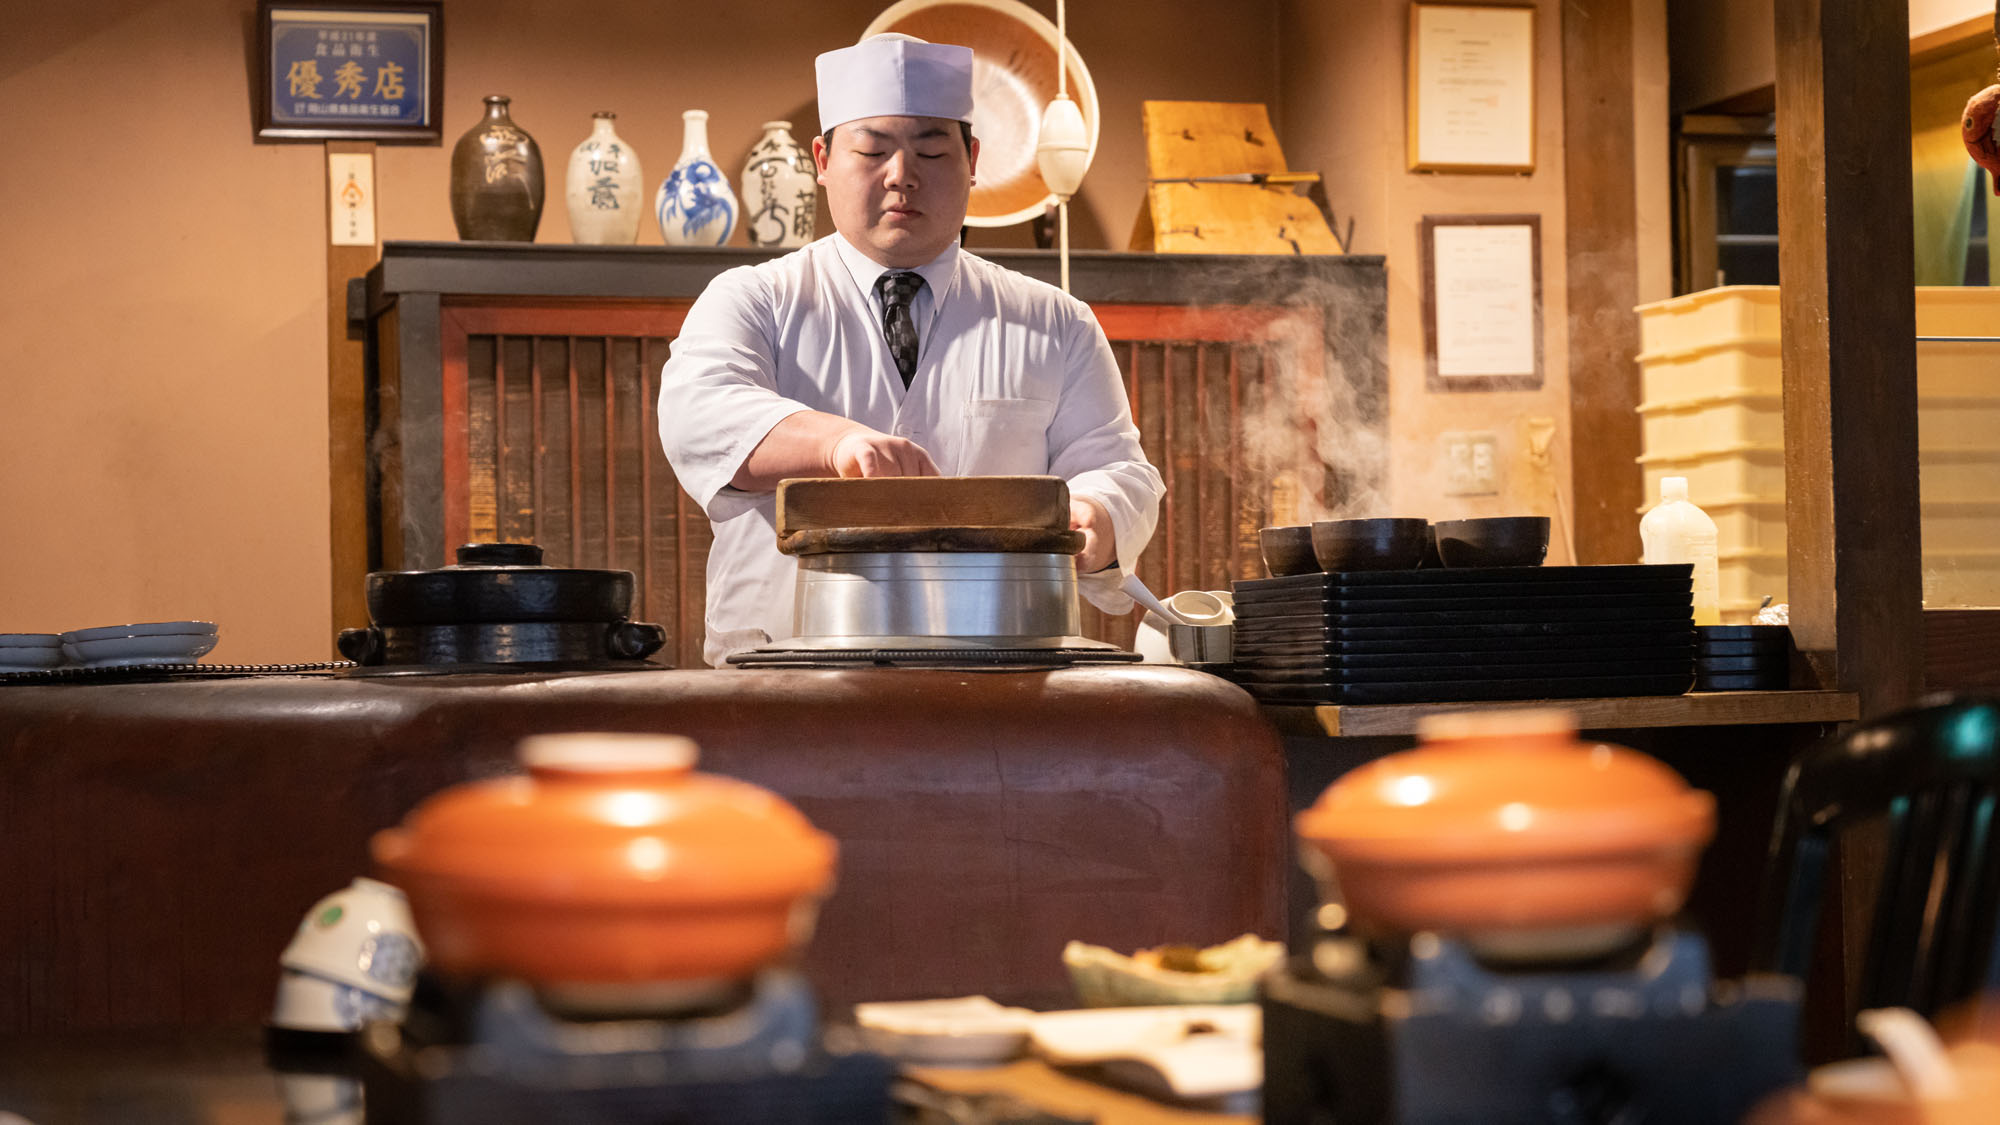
x=610, y=861
x=1505, y=828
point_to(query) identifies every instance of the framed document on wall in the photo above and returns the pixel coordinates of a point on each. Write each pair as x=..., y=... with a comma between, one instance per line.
x=1482, y=302
x=350, y=70
x=1472, y=88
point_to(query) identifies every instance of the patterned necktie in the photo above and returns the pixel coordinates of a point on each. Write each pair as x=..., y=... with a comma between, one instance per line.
x=898, y=290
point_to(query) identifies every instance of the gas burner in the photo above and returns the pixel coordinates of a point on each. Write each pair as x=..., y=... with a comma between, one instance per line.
x=1431, y=1033
x=519, y=668
x=931, y=657
x=498, y=1054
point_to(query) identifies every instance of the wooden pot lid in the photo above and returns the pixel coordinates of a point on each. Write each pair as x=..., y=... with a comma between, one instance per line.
x=810, y=504
x=950, y=540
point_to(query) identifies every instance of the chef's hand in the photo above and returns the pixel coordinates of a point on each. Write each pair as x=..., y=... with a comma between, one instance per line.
x=1100, y=542
x=863, y=452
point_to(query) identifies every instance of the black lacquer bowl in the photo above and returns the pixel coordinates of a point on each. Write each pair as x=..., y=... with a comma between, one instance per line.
x=1495, y=541
x=1369, y=544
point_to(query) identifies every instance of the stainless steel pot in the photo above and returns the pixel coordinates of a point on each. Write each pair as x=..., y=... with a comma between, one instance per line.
x=918, y=599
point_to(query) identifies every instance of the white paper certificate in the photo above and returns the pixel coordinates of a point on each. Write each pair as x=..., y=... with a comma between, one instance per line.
x=1472, y=88
x=1485, y=286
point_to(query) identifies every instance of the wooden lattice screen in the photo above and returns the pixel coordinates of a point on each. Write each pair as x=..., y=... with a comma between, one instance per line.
x=550, y=437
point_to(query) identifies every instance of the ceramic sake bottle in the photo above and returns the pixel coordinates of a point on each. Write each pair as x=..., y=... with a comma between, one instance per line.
x=780, y=191
x=604, y=188
x=496, y=179
x=694, y=204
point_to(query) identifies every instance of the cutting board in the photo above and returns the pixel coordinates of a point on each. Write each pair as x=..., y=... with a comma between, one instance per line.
x=1195, y=139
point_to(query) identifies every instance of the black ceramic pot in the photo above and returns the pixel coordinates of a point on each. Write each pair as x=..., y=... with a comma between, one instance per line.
x=500, y=605
x=496, y=179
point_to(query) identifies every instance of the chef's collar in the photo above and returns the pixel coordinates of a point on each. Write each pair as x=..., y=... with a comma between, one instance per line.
x=866, y=270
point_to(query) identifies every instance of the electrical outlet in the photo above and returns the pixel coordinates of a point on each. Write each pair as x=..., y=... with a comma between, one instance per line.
x=1472, y=463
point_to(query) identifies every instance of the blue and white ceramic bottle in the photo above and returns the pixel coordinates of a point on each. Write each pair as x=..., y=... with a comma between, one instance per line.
x=695, y=205
x=605, y=188
x=780, y=190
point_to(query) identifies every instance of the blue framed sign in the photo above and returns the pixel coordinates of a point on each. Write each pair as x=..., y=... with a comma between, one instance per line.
x=350, y=70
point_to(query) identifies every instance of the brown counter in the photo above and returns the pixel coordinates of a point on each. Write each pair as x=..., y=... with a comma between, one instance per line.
x=164, y=838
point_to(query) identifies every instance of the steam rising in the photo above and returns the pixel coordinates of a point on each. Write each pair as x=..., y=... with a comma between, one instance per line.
x=1320, y=433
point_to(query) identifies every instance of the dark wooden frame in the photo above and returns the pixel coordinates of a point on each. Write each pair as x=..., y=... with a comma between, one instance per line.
x=417, y=285
x=1411, y=159
x=429, y=132
x=1522, y=382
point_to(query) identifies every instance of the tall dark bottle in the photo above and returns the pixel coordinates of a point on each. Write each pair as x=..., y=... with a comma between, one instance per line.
x=496, y=179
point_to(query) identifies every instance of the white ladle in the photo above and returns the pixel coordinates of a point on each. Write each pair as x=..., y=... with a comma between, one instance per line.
x=1144, y=597
x=1913, y=1047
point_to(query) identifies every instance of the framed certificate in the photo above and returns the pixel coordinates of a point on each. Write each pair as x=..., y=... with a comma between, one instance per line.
x=1482, y=302
x=1472, y=88
x=350, y=69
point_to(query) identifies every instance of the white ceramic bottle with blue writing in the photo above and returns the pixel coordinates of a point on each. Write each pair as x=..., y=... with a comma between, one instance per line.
x=780, y=190
x=694, y=204
x=605, y=188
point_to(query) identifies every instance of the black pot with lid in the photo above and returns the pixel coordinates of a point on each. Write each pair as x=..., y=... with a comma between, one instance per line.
x=498, y=605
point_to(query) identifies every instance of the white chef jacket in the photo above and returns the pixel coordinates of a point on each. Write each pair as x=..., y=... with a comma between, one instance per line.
x=1013, y=377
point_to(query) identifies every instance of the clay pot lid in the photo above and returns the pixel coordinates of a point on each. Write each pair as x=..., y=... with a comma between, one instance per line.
x=1506, y=787
x=612, y=819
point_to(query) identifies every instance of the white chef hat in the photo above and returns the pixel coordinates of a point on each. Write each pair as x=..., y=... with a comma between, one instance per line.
x=894, y=75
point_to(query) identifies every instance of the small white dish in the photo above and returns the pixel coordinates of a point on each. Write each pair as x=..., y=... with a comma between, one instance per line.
x=164, y=648
x=963, y=1031
x=144, y=629
x=30, y=640
x=36, y=658
x=1196, y=1052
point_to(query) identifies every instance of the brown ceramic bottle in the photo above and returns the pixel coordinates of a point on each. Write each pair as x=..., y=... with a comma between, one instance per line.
x=496, y=179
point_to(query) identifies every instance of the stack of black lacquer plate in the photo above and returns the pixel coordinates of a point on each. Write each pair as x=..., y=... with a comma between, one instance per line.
x=1743, y=657
x=1423, y=636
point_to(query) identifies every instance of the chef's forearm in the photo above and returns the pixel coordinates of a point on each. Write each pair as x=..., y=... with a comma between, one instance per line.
x=800, y=445
x=812, y=444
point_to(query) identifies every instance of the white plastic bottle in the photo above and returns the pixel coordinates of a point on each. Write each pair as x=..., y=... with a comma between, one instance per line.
x=1678, y=532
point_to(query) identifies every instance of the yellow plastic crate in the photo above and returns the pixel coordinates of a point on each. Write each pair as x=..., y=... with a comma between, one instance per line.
x=1729, y=315
x=1730, y=474
x=1748, y=525
x=1956, y=310
x=1958, y=422
x=1954, y=527
x=1691, y=426
x=1736, y=368
x=1746, y=579
x=1967, y=578
x=1958, y=474
x=1711, y=378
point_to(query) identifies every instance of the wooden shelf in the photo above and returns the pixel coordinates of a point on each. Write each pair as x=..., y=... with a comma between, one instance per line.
x=1696, y=709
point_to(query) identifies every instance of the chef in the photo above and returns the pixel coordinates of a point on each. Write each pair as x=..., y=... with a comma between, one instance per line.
x=886, y=350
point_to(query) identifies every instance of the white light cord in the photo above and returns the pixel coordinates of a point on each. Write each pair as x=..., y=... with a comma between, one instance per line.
x=1062, y=225
x=1062, y=59
x=1062, y=91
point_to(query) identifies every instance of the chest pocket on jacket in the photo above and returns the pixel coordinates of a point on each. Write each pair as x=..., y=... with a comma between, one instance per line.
x=1006, y=437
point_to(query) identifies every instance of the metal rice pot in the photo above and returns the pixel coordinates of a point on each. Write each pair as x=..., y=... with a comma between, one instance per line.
x=498, y=606
x=894, y=598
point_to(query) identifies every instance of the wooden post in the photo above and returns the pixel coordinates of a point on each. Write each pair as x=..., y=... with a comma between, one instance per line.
x=1847, y=274
x=346, y=388
x=1600, y=198
x=1845, y=261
